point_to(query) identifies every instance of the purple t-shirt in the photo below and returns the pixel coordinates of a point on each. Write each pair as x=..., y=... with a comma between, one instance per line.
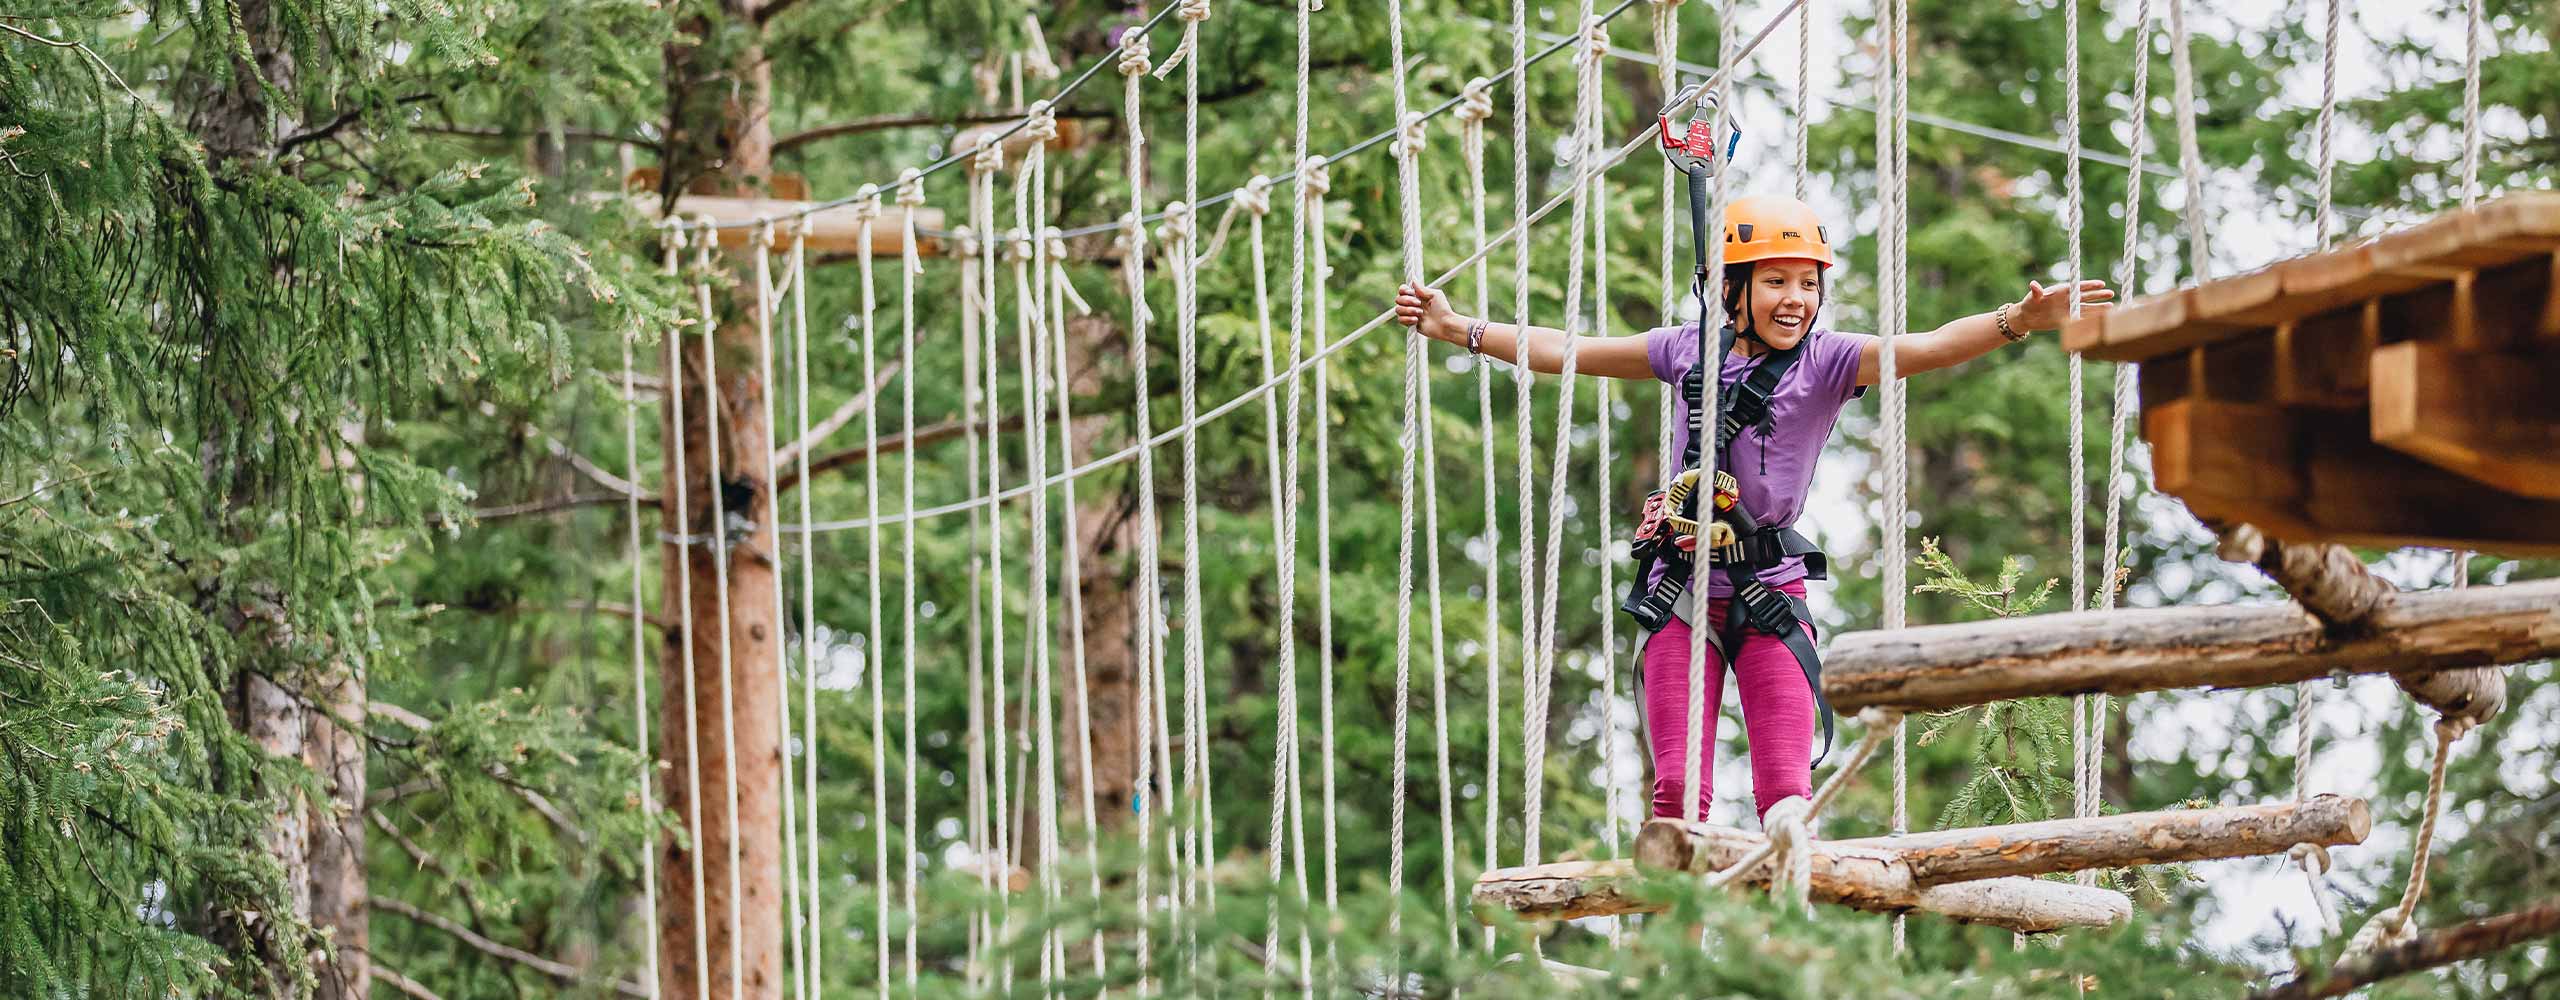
x=1772, y=462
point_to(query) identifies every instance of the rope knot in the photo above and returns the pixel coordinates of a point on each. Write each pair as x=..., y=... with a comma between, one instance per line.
x=1042, y=123
x=1255, y=196
x=1475, y=102
x=1315, y=178
x=1789, y=823
x=911, y=188
x=964, y=243
x=2313, y=858
x=1874, y=717
x=1177, y=223
x=1192, y=12
x=2454, y=727
x=2390, y=928
x=1595, y=42
x=1017, y=245
x=1037, y=63
x=988, y=158
x=1134, y=51
x=1666, y=4
x=866, y=203
x=1410, y=135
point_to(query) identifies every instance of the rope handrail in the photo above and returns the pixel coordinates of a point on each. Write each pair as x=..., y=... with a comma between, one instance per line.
x=1598, y=165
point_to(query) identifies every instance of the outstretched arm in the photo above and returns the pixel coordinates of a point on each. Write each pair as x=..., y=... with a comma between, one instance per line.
x=1426, y=309
x=1973, y=336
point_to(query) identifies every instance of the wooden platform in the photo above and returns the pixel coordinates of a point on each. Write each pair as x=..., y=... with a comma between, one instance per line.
x=2399, y=391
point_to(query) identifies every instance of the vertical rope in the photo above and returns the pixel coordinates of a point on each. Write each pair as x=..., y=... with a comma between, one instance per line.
x=1314, y=182
x=965, y=246
x=1287, y=503
x=1711, y=369
x=683, y=541
x=910, y=201
x=1804, y=90
x=1195, y=678
x=640, y=659
x=2324, y=222
x=987, y=162
x=1408, y=148
x=1666, y=68
x=795, y=947
x=2470, y=103
x=1475, y=104
x=1604, y=498
x=1255, y=199
x=719, y=536
x=1062, y=291
x=1030, y=212
x=1892, y=135
x=1587, y=144
x=867, y=212
x=1150, y=638
x=2074, y=220
x=1523, y=410
x=2305, y=698
x=2190, y=156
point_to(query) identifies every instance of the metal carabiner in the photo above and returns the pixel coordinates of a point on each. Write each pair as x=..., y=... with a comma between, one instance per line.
x=1696, y=147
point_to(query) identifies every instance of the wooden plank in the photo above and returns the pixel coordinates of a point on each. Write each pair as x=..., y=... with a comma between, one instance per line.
x=2494, y=418
x=1933, y=667
x=1565, y=890
x=2126, y=840
x=2251, y=298
x=2321, y=361
x=2085, y=335
x=2239, y=370
x=2160, y=324
x=2305, y=476
x=2499, y=232
x=1878, y=881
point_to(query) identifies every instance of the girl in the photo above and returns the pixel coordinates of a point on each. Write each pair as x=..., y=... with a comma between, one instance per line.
x=1777, y=257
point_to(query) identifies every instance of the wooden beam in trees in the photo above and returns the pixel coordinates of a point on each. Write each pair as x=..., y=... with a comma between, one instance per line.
x=2306, y=478
x=2428, y=950
x=2494, y=418
x=1565, y=890
x=2126, y=840
x=831, y=230
x=1879, y=881
x=1935, y=667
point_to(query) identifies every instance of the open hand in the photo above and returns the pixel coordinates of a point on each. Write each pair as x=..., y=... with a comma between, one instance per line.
x=2047, y=307
x=1427, y=310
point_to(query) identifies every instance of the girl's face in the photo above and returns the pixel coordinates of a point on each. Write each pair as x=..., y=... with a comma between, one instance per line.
x=1785, y=294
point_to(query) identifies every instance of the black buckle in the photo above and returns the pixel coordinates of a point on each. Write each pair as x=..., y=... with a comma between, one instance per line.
x=1765, y=608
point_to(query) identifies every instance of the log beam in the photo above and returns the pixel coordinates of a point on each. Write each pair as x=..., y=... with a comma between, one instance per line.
x=2428, y=950
x=1879, y=881
x=1565, y=890
x=1934, y=667
x=2489, y=417
x=2125, y=840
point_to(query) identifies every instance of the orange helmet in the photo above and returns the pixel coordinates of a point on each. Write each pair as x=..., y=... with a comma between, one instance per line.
x=1772, y=227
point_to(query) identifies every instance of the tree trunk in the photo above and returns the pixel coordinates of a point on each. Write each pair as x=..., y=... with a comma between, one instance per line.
x=1109, y=540
x=2428, y=950
x=2152, y=649
x=720, y=142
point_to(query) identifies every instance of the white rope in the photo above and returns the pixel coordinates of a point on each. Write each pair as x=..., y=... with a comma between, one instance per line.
x=1314, y=182
x=965, y=246
x=720, y=597
x=1666, y=68
x=1030, y=211
x=910, y=201
x=866, y=214
x=640, y=663
x=1892, y=136
x=2322, y=223
x=684, y=599
x=1061, y=292
x=2397, y=925
x=1475, y=105
x=1604, y=497
x=2470, y=103
x=2190, y=155
x=1284, y=557
x=1523, y=413
x=1439, y=663
x=1711, y=372
x=1408, y=149
x=1586, y=142
x=990, y=160
x=766, y=302
x=1149, y=641
x=2084, y=766
x=2092, y=744
x=1804, y=90
x=1186, y=285
x=1285, y=499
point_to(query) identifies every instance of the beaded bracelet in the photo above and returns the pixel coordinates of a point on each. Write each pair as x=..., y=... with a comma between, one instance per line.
x=2007, y=332
x=1475, y=336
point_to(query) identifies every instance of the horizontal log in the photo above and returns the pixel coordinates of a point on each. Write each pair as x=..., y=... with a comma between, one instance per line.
x=1565, y=890
x=1934, y=667
x=2429, y=949
x=2125, y=840
x=836, y=229
x=1878, y=881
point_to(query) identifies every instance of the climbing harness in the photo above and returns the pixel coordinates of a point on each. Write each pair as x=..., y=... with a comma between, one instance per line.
x=1667, y=532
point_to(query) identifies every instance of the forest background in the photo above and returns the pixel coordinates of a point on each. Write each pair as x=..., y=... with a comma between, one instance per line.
x=311, y=351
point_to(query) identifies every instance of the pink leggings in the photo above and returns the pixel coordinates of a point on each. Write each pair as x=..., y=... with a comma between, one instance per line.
x=1777, y=713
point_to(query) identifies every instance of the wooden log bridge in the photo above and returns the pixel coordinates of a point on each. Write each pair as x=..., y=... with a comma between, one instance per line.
x=1934, y=667
x=1975, y=875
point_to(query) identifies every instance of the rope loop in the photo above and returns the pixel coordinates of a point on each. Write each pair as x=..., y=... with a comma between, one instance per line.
x=1192, y=12
x=1017, y=245
x=1595, y=43
x=1475, y=102
x=1315, y=178
x=1411, y=136
x=1177, y=223
x=1255, y=196
x=1790, y=828
x=1037, y=62
x=866, y=203
x=2313, y=858
x=911, y=188
x=988, y=158
x=1134, y=53
x=1042, y=124
x=2454, y=727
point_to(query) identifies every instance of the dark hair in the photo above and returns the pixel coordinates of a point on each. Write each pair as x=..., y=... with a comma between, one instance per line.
x=1737, y=284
